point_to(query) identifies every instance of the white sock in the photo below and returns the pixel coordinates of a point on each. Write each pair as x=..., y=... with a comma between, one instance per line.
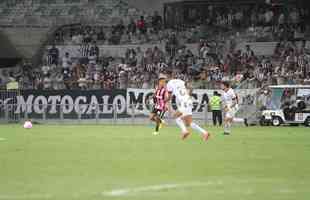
x=196, y=127
x=181, y=124
x=227, y=126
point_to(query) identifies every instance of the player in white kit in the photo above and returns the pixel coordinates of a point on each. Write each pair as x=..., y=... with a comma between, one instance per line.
x=230, y=103
x=183, y=115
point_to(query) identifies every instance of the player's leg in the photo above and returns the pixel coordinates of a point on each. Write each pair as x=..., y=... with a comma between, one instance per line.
x=214, y=117
x=188, y=119
x=154, y=117
x=161, y=119
x=179, y=121
x=158, y=122
x=162, y=115
x=220, y=118
x=229, y=118
x=227, y=124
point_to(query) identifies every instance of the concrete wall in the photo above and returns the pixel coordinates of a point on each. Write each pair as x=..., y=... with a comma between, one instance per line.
x=26, y=40
x=150, y=5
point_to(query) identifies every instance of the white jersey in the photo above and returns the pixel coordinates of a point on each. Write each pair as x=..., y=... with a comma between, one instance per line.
x=178, y=88
x=229, y=97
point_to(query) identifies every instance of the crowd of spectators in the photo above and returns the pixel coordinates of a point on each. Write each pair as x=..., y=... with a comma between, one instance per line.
x=262, y=22
x=255, y=22
x=211, y=60
x=290, y=64
x=135, y=31
x=137, y=68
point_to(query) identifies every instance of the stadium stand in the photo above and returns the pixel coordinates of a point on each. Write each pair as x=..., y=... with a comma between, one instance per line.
x=109, y=44
x=55, y=12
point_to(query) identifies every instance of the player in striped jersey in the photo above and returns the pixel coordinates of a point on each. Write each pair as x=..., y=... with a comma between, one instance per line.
x=159, y=108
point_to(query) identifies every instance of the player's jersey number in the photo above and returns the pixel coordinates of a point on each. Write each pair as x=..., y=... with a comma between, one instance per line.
x=182, y=91
x=187, y=104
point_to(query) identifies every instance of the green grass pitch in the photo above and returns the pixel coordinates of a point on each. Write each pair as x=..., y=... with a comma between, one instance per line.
x=96, y=162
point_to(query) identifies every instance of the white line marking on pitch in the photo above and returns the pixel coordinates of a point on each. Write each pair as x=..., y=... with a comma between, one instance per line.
x=123, y=192
x=2, y=139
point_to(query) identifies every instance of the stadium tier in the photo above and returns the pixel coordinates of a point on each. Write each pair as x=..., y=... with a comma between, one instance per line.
x=57, y=12
x=92, y=44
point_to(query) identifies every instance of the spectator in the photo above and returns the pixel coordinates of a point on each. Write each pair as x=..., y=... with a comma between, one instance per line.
x=158, y=55
x=141, y=25
x=172, y=44
x=268, y=18
x=66, y=61
x=101, y=36
x=77, y=38
x=12, y=84
x=123, y=79
x=132, y=27
x=47, y=82
x=93, y=53
x=307, y=80
x=59, y=82
x=248, y=54
x=45, y=69
x=82, y=82
x=53, y=55
x=119, y=29
x=157, y=21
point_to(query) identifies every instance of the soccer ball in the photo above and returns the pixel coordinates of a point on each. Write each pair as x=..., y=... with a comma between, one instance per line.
x=27, y=125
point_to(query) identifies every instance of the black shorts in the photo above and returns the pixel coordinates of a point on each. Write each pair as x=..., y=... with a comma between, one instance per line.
x=158, y=112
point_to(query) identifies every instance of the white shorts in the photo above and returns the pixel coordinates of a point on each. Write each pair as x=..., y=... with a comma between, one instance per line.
x=231, y=112
x=186, y=108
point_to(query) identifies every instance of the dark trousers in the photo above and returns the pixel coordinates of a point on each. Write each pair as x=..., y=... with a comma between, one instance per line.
x=217, y=117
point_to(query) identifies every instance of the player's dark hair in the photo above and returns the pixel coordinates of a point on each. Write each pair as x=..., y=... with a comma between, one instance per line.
x=226, y=84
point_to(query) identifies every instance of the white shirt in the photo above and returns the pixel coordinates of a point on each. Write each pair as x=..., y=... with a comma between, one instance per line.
x=65, y=62
x=281, y=19
x=92, y=59
x=45, y=69
x=47, y=83
x=177, y=87
x=228, y=97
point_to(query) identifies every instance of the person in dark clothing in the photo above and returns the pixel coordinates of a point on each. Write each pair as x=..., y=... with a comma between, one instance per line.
x=156, y=21
x=94, y=49
x=53, y=55
x=132, y=28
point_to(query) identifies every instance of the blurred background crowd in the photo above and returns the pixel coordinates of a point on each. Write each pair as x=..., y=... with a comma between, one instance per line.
x=203, y=50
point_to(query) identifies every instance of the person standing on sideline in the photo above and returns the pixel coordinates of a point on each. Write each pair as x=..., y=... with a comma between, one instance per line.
x=216, y=108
